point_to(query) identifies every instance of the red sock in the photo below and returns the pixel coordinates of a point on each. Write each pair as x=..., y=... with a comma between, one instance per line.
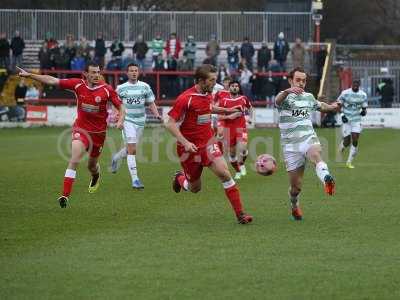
x=69, y=179
x=235, y=165
x=68, y=182
x=234, y=198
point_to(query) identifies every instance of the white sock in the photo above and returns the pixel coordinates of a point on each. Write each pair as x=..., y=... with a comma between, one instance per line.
x=70, y=173
x=132, y=166
x=352, y=153
x=121, y=154
x=322, y=170
x=185, y=185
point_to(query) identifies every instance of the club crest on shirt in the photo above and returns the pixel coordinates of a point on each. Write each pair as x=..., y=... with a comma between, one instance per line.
x=97, y=99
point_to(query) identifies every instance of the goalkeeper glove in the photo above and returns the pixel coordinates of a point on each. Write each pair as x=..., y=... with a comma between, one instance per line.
x=344, y=119
x=363, y=112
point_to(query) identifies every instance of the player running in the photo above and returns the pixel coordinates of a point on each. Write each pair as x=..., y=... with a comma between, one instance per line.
x=89, y=129
x=196, y=146
x=353, y=102
x=135, y=95
x=298, y=138
x=234, y=128
x=219, y=92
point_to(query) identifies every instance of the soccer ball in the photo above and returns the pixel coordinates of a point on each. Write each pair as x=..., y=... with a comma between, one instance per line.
x=266, y=165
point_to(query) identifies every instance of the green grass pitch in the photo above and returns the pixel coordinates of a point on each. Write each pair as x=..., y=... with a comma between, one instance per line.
x=155, y=244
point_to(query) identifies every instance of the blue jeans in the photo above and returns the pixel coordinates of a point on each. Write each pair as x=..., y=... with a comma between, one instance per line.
x=16, y=61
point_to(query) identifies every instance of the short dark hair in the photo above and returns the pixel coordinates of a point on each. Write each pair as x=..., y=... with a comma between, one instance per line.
x=133, y=65
x=91, y=64
x=298, y=69
x=235, y=81
x=227, y=78
x=356, y=81
x=203, y=71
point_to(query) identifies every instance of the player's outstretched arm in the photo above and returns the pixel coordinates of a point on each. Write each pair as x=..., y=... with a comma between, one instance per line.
x=283, y=95
x=46, y=79
x=170, y=124
x=154, y=110
x=333, y=107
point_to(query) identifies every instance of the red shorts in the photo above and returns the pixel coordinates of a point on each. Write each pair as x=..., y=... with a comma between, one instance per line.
x=93, y=141
x=234, y=135
x=193, y=163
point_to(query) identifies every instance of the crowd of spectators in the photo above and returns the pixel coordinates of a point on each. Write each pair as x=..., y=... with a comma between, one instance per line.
x=252, y=66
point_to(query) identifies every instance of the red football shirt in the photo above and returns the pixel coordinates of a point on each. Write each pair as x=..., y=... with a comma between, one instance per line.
x=91, y=103
x=193, y=110
x=220, y=95
x=240, y=102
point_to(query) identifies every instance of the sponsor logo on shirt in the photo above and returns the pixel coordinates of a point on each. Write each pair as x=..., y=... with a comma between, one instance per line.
x=203, y=119
x=90, y=108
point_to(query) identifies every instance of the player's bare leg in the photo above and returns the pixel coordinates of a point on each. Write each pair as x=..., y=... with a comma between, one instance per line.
x=242, y=153
x=94, y=169
x=131, y=160
x=77, y=152
x=353, y=149
x=296, y=181
x=220, y=138
x=233, y=159
x=220, y=168
x=321, y=168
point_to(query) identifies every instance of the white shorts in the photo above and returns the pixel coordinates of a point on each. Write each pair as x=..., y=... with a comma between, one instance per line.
x=349, y=127
x=295, y=155
x=131, y=133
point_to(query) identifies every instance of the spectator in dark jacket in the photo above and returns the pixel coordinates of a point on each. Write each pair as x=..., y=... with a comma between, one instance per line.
x=45, y=58
x=100, y=49
x=247, y=52
x=263, y=57
x=232, y=52
x=4, y=51
x=387, y=93
x=140, y=49
x=117, y=48
x=17, y=48
x=281, y=50
x=61, y=60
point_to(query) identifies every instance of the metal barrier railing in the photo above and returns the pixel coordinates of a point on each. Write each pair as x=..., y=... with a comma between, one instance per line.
x=227, y=26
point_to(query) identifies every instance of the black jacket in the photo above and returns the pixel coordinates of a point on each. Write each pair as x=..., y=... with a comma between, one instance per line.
x=17, y=45
x=4, y=48
x=263, y=56
x=100, y=48
x=140, y=49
